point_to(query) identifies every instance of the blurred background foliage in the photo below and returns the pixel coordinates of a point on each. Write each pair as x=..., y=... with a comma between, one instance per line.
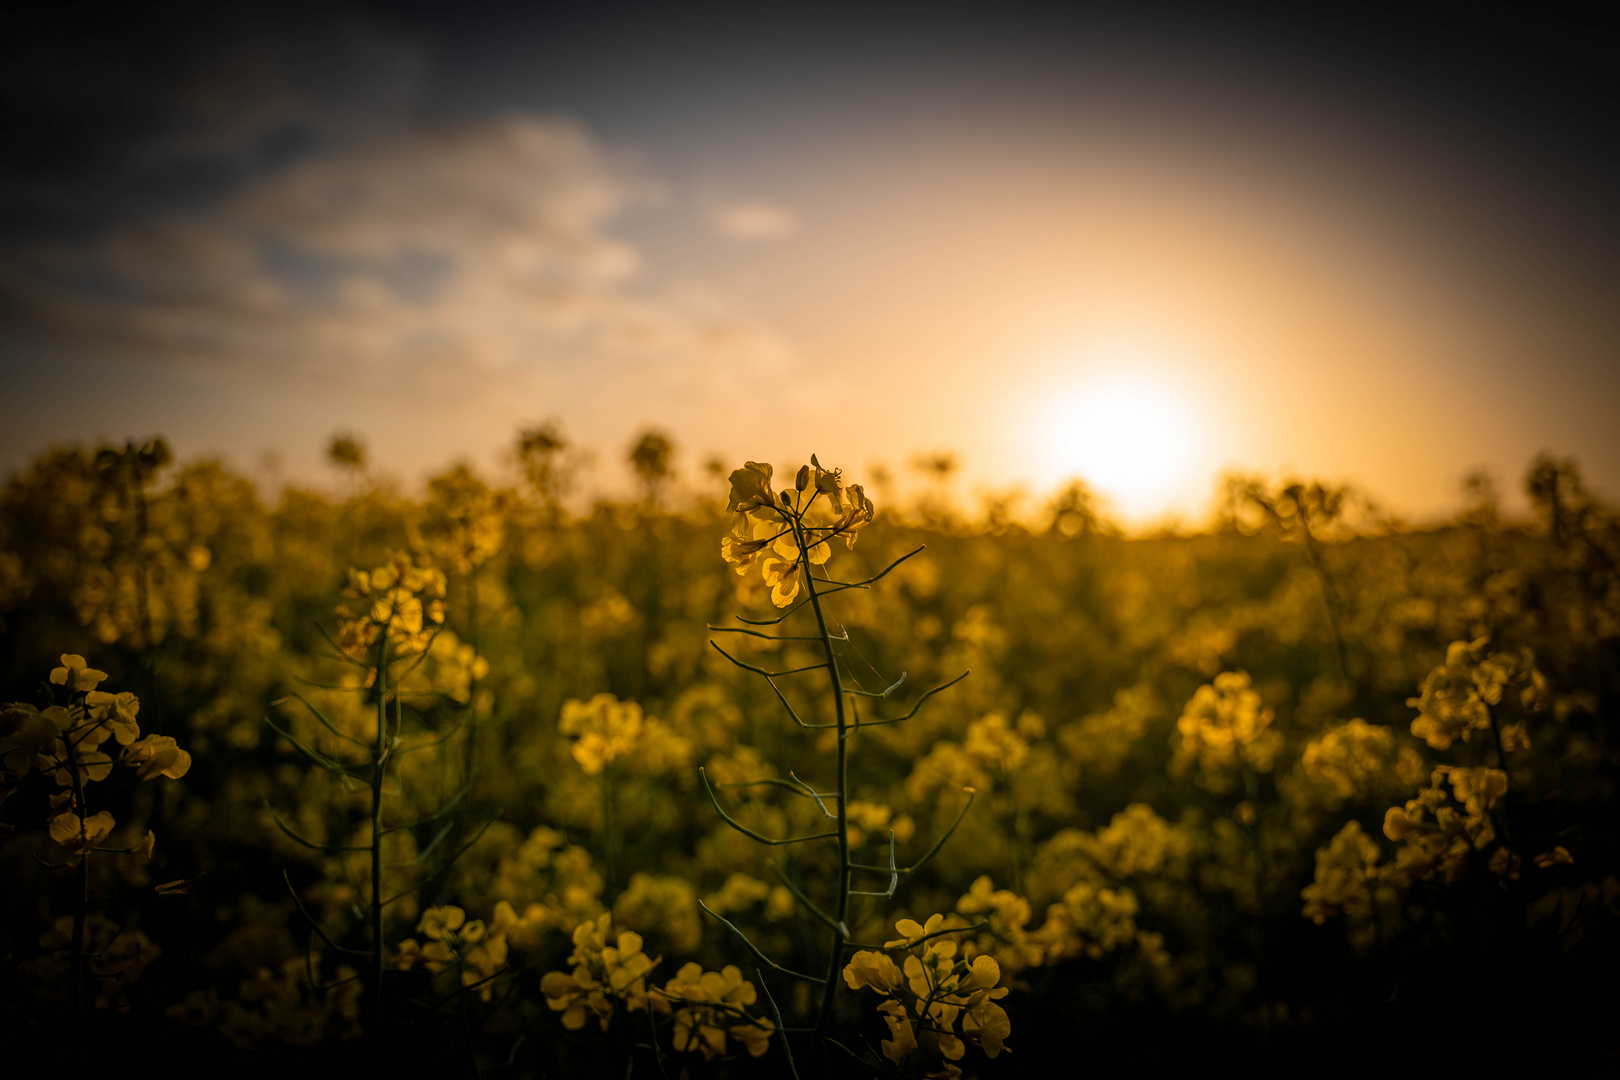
x=1188, y=749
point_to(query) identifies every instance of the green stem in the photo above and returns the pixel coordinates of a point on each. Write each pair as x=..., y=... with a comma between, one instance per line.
x=472, y=639
x=1501, y=762
x=608, y=845
x=1330, y=597
x=377, y=770
x=82, y=899
x=81, y=902
x=1021, y=834
x=840, y=931
x=145, y=580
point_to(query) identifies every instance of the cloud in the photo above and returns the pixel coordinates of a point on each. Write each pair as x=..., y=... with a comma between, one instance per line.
x=140, y=109
x=466, y=262
x=754, y=220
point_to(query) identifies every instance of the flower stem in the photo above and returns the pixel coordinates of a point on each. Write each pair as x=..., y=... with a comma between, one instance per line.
x=841, y=913
x=608, y=845
x=379, y=761
x=82, y=893
x=470, y=749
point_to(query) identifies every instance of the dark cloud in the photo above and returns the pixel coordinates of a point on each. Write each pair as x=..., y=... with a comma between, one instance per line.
x=115, y=111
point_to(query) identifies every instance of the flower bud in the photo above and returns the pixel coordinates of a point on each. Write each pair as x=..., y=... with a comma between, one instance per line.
x=802, y=480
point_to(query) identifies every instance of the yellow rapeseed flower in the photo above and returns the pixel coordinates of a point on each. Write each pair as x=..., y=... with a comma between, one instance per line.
x=75, y=675
x=602, y=976
x=26, y=735
x=116, y=712
x=751, y=487
x=157, y=755
x=874, y=969
x=902, y=1040
x=604, y=730
x=709, y=1007
x=80, y=836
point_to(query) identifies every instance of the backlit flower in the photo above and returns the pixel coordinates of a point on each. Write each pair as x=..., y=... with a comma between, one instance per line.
x=157, y=755
x=751, y=487
x=79, y=836
x=75, y=675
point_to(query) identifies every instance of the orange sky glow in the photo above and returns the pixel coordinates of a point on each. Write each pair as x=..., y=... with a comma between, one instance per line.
x=1155, y=264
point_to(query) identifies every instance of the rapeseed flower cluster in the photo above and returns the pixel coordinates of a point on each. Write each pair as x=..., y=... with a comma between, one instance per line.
x=1005, y=917
x=709, y=1008
x=115, y=956
x=1350, y=884
x=1456, y=698
x=1225, y=727
x=70, y=745
x=1438, y=832
x=604, y=729
x=465, y=524
x=606, y=974
x=554, y=884
x=405, y=596
x=280, y=1005
x=763, y=532
x=1346, y=758
x=953, y=1001
x=1091, y=920
x=453, y=941
x=664, y=904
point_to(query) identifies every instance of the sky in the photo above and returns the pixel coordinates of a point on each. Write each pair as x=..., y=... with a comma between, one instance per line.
x=1142, y=245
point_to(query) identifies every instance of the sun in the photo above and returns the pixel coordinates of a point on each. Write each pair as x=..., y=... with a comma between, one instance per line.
x=1127, y=436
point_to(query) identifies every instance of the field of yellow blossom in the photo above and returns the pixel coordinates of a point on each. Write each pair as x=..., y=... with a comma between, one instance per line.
x=773, y=779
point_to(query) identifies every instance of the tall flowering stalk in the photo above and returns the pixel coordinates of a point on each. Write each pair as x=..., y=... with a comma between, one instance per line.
x=787, y=537
x=399, y=610
x=68, y=743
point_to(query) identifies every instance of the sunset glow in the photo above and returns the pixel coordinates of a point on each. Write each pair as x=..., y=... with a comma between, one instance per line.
x=434, y=441
x=1055, y=246
x=1133, y=441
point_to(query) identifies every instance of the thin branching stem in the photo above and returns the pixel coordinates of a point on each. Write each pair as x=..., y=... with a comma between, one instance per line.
x=315, y=756
x=435, y=816
x=745, y=830
x=762, y=671
x=325, y=722
x=755, y=949
x=938, y=844
x=780, y=1030
x=339, y=653
x=911, y=943
x=776, y=621
x=840, y=586
x=894, y=875
x=880, y=721
x=315, y=925
x=767, y=637
x=422, y=855
x=284, y=827
x=879, y=694
x=1330, y=594
x=797, y=719
x=808, y=904
x=462, y=850
x=401, y=751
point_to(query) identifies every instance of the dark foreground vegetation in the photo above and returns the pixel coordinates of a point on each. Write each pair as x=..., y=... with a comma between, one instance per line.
x=462, y=784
